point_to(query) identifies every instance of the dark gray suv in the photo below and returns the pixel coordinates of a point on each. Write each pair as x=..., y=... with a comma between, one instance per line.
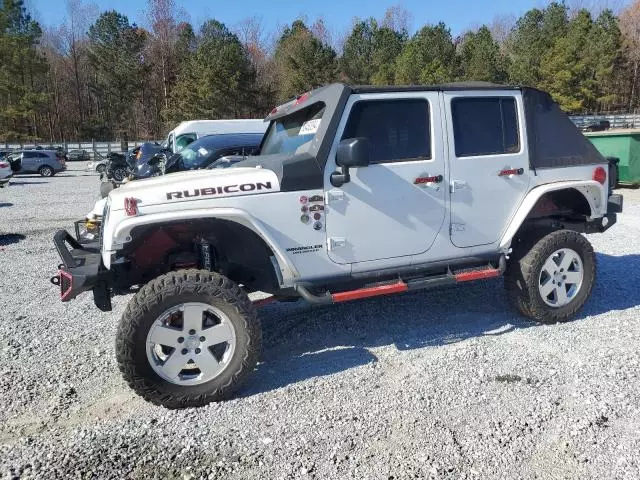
x=45, y=162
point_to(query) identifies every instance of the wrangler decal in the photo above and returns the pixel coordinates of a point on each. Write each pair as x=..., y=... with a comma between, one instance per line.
x=198, y=192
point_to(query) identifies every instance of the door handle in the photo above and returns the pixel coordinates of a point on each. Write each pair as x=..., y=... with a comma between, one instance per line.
x=507, y=172
x=432, y=179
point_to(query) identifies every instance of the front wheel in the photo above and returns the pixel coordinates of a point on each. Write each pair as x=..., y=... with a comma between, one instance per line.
x=119, y=174
x=550, y=279
x=188, y=338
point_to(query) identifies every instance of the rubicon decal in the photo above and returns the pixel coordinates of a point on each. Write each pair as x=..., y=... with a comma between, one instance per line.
x=201, y=192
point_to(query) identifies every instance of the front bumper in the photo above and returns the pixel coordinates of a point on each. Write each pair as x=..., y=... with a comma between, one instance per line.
x=81, y=270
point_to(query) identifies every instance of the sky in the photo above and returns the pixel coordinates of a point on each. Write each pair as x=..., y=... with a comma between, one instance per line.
x=459, y=15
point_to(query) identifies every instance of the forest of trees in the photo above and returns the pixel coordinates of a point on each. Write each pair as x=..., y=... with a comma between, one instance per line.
x=100, y=76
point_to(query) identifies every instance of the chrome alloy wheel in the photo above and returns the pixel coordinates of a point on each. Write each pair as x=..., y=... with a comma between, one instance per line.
x=191, y=343
x=561, y=277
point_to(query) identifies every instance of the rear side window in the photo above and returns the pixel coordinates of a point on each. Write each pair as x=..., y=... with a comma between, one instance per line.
x=398, y=130
x=29, y=155
x=485, y=126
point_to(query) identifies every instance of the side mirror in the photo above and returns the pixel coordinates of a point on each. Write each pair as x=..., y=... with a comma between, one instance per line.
x=352, y=152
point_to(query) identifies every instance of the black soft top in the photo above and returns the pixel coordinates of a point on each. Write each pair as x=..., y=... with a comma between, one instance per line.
x=553, y=139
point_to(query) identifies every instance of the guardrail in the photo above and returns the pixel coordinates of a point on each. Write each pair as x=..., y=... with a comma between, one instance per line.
x=631, y=120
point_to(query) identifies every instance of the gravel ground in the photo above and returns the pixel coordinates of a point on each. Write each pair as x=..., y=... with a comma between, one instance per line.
x=440, y=384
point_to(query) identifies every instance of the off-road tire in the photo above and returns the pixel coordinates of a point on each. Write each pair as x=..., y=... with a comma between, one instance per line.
x=172, y=289
x=46, y=171
x=523, y=274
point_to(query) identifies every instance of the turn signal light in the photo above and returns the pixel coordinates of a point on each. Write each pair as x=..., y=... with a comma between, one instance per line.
x=600, y=175
x=131, y=206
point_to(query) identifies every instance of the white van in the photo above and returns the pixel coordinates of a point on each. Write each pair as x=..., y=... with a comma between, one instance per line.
x=187, y=132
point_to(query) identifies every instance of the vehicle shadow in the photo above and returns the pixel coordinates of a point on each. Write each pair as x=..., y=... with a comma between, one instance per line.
x=302, y=341
x=19, y=183
x=84, y=174
x=11, y=238
x=6, y=204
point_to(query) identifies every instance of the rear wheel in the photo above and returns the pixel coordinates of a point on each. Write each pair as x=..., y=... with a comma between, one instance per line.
x=46, y=171
x=550, y=279
x=188, y=338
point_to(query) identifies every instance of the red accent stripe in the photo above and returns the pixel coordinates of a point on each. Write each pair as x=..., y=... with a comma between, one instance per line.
x=369, y=292
x=263, y=301
x=477, y=275
x=513, y=171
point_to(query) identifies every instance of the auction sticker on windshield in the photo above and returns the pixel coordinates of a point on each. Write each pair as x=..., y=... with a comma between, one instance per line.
x=310, y=127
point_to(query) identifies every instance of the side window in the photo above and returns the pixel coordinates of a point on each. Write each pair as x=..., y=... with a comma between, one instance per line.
x=184, y=140
x=29, y=155
x=485, y=126
x=398, y=130
x=43, y=155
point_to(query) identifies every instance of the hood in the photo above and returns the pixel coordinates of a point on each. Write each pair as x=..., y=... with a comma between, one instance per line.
x=196, y=185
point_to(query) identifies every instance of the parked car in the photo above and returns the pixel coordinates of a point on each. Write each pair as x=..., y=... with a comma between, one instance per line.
x=143, y=153
x=5, y=173
x=597, y=126
x=78, y=155
x=98, y=166
x=45, y=162
x=201, y=154
x=118, y=167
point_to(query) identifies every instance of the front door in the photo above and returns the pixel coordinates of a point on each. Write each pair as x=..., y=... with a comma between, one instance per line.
x=488, y=162
x=394, y=207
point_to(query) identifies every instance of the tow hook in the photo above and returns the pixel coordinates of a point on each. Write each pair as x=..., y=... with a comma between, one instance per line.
x=55, y=280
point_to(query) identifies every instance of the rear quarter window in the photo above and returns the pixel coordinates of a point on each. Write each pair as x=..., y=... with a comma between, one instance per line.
x=485, y=126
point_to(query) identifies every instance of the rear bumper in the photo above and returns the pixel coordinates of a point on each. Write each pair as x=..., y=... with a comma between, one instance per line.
x=81, y=270
x=614, y=204
x=599, y=225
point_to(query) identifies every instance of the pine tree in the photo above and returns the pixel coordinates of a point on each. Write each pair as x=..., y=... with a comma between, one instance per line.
x=428, y=57
x=480, y=57
x=303, y=62
x=22, y=98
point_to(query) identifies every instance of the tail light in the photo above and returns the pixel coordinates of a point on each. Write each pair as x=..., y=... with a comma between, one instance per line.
x=600, y=175
x=131, y=206
x=4, y=165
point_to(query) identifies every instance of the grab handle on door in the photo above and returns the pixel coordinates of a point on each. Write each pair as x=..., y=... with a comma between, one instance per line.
x=507, y=172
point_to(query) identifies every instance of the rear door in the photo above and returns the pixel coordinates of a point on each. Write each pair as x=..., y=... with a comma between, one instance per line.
x=30, y=162
x=488, y=161
x=394, y=207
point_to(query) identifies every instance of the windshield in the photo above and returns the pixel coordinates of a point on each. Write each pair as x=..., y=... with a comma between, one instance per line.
x=293, y=133
x=193, y=156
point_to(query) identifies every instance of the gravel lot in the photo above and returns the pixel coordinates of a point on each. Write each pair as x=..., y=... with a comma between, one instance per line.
x=440, y=384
